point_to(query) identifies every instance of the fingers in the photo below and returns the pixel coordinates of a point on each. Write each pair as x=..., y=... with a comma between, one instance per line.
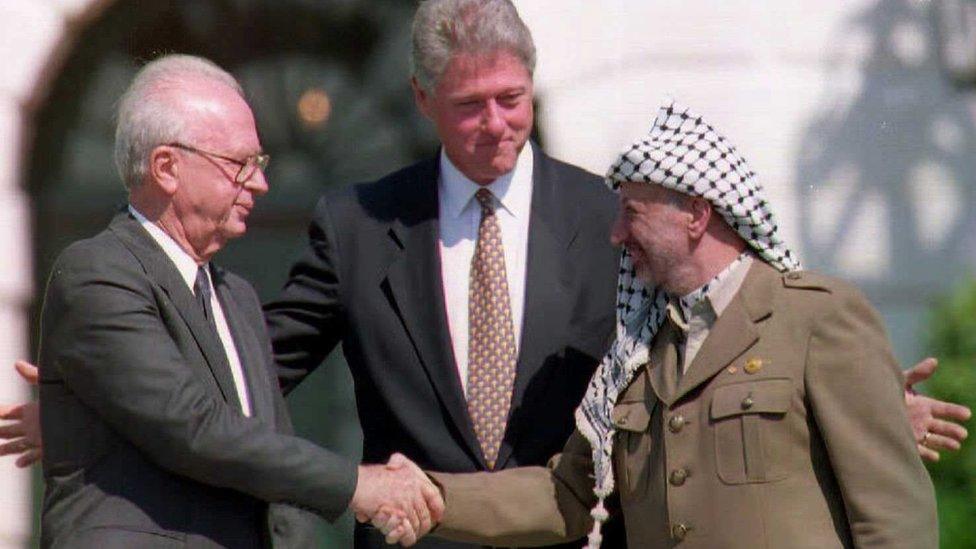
x=398, y=461
x=954, y=431
x=434, y=500
x=402, y=534
x=11, y=430
x=949, y=410
x=394, y=527
x=920, y=372
x=927, y=453
x=27, y=371
x=940, y=442
x=14, y=411
x=28, y=458
x=16, y=446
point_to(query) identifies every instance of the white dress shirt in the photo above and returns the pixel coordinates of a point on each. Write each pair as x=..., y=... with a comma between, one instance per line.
x=187, y=267
x=460, y=216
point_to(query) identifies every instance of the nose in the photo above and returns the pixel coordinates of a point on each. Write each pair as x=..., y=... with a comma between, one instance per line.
x=492, y=120
x=257, y=183
x=618, y=233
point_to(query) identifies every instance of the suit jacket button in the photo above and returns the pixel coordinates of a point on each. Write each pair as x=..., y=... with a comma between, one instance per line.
x=678, y=477
x=747, y=403
x=679, y=531
x=676, y=423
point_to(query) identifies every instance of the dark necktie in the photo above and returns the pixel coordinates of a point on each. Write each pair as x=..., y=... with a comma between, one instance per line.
x=491, y=339
x=201, y=289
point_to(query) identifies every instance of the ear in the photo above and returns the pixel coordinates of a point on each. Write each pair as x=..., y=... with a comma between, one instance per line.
x=421, y=97
x=701, y=213
x=164, y=169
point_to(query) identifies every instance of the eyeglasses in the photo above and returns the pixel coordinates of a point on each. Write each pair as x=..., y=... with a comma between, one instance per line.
x=248, y=166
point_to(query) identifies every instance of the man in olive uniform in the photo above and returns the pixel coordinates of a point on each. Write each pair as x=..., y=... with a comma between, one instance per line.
x=744, y=403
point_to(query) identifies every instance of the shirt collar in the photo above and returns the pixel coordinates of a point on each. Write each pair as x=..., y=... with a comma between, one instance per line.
x=718, y=292
x=185, y=264
x=512, y=190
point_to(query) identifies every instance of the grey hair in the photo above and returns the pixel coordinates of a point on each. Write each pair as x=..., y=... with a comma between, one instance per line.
x=444, y=28
x=148, y=116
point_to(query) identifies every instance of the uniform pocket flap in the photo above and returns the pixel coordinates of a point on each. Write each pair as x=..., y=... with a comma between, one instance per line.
x=632, y=416
x=767, y=396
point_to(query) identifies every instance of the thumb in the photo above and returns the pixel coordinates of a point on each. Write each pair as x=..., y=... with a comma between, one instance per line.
x=27, y=371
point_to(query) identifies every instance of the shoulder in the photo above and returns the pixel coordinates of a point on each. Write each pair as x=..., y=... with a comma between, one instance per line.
x=102, y=254
x=573, y=179
x=816, y=282
x=586, y=191
x=820, y=295
x=385, y=193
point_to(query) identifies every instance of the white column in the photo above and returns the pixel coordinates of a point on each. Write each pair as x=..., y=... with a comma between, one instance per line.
x=31, y=31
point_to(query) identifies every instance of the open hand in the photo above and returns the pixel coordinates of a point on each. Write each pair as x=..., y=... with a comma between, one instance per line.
x=22, y=427
x=935, y=423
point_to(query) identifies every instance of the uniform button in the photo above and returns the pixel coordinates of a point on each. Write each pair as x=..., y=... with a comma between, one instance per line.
x=678, y=477
x=676, y=423
x=679, y=531
x=747, y=403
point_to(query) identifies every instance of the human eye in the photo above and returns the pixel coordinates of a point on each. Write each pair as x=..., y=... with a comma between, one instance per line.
x=510, y=99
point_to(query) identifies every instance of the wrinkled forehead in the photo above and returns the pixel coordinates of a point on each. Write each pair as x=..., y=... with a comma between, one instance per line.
x=643, y=191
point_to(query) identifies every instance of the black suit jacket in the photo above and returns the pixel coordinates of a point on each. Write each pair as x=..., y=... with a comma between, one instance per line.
x=145, y=444
x=371, y=280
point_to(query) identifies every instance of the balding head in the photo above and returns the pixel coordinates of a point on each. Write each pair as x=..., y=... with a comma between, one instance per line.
x=156, y=108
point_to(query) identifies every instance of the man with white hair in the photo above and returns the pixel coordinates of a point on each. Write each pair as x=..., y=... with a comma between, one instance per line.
x=162, y=421
x=744, y=402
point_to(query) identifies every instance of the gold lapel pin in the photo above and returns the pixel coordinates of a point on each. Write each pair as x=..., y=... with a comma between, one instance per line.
x=753, y=365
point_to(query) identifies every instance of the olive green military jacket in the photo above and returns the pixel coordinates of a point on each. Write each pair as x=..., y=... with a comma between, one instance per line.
x=788, y=430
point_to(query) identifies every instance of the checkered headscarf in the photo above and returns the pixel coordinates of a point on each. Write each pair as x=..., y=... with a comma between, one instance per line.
x=685, y=154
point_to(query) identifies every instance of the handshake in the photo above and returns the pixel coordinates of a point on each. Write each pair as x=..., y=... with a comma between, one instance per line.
x=398, y=499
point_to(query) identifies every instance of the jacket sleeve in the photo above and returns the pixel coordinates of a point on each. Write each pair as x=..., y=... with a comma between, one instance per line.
x=104, y=335
x=526, y=506
x=854, y=386
x=307, y=320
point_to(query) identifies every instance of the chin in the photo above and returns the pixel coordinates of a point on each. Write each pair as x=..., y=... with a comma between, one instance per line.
x=234, y=230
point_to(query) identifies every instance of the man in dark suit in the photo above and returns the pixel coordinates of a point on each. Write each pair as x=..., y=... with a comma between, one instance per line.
x=390, y=272
x=162, y=420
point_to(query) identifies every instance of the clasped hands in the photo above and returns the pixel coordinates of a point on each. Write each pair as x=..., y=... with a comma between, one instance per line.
x=399, y=499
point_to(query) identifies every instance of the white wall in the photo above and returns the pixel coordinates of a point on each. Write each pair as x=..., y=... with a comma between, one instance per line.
x=839, y=106
x=30, y=34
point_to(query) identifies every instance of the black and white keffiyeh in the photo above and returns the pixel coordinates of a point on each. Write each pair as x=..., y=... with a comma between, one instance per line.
x=682, y=153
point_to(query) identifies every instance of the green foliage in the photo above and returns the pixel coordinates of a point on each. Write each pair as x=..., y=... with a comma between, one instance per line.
x=953, y=341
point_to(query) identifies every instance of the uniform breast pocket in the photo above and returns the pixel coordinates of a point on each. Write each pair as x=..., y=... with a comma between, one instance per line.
x=751, y=432
x=633, y=444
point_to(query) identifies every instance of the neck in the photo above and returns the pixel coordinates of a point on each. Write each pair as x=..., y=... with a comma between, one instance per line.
x=164, y=217
x=710, y=257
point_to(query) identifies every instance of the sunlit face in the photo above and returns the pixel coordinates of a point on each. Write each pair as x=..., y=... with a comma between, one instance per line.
x=211, y=206
x=650, y=225
x=482, y=109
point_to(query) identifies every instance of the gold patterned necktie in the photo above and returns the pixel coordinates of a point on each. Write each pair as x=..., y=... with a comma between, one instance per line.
x=491, y=339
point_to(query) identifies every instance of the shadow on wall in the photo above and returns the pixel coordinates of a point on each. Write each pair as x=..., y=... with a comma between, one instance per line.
x=886, y=170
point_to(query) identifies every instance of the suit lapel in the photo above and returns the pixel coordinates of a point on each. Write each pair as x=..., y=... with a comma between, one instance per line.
x=249, y=350
x=552, y=227
x=162, y=270
x=735, y=330
x=416, y=292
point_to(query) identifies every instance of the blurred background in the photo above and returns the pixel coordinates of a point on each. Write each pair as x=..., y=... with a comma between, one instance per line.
x=858, y=115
